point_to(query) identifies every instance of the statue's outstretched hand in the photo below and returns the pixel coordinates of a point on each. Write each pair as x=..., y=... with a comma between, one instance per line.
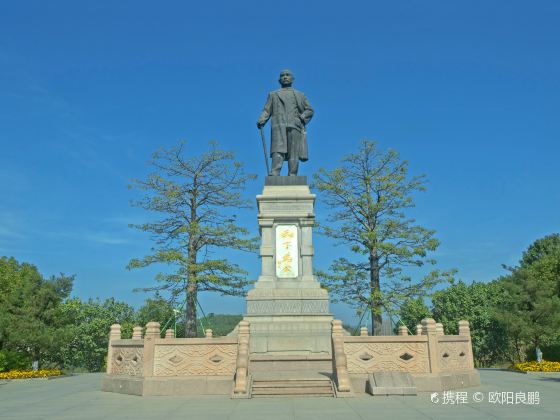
x=260, y=124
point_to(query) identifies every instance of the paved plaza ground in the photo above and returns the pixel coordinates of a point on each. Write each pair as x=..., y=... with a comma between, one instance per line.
x=79, y=397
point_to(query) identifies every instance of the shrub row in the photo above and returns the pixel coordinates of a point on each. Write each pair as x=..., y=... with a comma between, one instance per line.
x=544, y=366
x=28, y=374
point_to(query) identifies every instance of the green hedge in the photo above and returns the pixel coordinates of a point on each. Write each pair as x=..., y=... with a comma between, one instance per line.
x=11, y=360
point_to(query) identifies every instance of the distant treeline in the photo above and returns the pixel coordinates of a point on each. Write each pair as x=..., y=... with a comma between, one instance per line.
x=511, y=316
x=40, y=321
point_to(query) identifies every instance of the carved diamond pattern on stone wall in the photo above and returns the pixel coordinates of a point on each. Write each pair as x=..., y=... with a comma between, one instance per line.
x=175, y=360
x=406, y=356
x=184, y=360
x=127, y=361
x=453, y=356
x=386, y=357
x=216, y=358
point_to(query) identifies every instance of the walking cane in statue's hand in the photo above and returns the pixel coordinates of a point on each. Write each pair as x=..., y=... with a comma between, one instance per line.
x=264, y=150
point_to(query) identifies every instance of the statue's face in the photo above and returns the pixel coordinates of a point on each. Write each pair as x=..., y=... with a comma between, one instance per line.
x=286, y=79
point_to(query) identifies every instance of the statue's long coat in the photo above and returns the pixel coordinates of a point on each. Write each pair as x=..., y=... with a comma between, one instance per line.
x=275, y=107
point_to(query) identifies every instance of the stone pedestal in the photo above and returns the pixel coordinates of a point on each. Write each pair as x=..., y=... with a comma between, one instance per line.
x=287, y=310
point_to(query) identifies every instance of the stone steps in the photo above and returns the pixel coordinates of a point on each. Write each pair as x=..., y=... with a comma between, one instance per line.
x=292, y=388
x=290, y=384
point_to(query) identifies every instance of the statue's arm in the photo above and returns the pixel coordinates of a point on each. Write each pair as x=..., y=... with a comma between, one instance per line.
x=307, y=113
x=265, y=114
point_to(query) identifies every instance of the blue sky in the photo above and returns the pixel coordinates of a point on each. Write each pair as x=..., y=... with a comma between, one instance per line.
x=467, y=92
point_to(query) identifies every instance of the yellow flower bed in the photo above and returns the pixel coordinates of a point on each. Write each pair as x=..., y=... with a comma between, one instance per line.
x=543, y=366
x=27, y=374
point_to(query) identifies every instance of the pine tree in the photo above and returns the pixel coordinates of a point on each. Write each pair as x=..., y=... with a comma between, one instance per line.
x=196, y=199
x=369, y=194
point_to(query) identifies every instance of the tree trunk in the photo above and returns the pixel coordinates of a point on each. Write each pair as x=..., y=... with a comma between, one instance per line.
x=192, y=288
x=376, y=317
x=376, y=321
x=190, y=310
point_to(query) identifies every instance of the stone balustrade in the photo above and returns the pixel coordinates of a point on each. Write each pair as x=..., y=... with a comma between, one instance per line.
x=339, y=355
x=242, y=371
x=152, y=358
x=151, y=365
x=429, y=353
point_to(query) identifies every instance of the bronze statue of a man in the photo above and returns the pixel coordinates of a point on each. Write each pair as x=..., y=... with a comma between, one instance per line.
x=290, y=111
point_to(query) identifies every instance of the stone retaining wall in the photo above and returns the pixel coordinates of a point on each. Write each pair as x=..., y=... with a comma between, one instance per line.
x=194, y=365
x=151, y=365
x=435, y=360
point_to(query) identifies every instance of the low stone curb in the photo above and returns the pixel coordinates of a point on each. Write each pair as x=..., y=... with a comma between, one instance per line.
x=531, y=372
x=34, y=379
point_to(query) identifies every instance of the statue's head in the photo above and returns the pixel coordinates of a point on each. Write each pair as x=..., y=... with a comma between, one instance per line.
x=286, y=78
